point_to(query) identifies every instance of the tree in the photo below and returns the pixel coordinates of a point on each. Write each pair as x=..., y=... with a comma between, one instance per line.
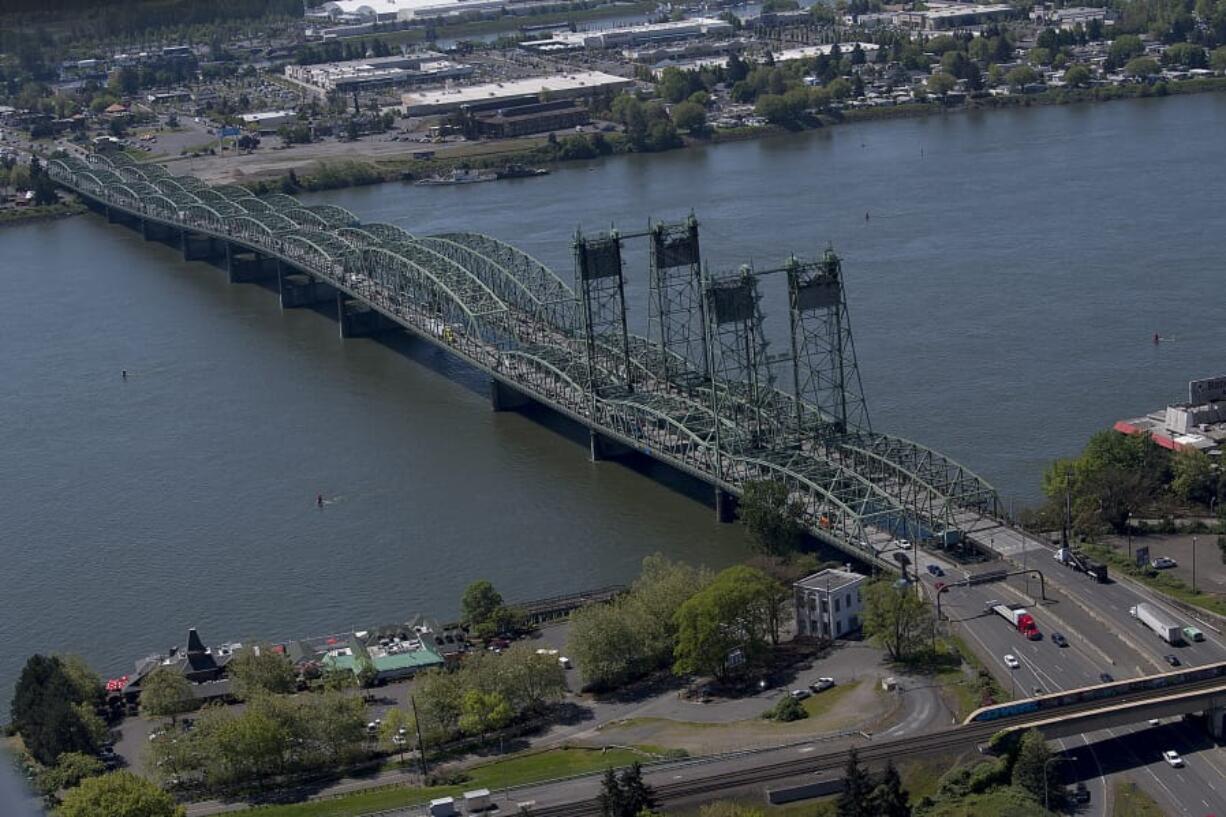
x=1193, y=477
x=1078, y=76
x=1141, y=67
x=1218, y=59
x=1021, y=76
x=121, y=794
x=1035, y=771
x=45, y=711
x=1188, y=55
x=856, y=798
x=69, y=770
x=772, y=516
x=727, y=615
x=530, y=681
x=164, y=693
x=941, y=83
x=689, y=116
x=897, y=618
x=889, y=798
x=638, y=797
x=1124, y=48
x=484, y=712
x=479, y=603
x=259, y=670
x=611, y=800
x=396, y=730
x=605, y=645
x=788, y=709
x=87, y=683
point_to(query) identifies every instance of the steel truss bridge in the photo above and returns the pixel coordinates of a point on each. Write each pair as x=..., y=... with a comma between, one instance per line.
x=701, y=392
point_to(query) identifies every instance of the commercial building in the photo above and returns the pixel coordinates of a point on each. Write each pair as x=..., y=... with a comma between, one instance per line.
x=202, y=667
x=521, y=120
x=386, y=11
x=378, y=72
x=944, y=17
x=1199, y=423
x=495, y=95
x=630, y=36
x=267, y=121
x=828, y=603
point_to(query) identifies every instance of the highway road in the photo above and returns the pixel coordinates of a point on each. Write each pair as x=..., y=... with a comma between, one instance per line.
x=1102, y=638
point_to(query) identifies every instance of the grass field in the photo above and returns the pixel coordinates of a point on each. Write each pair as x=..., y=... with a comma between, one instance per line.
x=1130, y=801
x=516, y=770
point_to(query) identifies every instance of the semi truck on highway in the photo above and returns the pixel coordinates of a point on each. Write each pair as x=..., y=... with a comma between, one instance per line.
x=1021, y=620
x=1167, y=629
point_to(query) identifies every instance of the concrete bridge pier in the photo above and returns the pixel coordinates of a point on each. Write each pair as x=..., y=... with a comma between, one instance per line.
x=604, y=448
x=299, y=289
x=246, y=266
x=725, y=506
x=156, y=231
x=197, y=247
x=357, y=320
x=506, y=398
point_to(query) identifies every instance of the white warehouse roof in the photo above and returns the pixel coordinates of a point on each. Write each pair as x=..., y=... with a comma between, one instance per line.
x=565, y=85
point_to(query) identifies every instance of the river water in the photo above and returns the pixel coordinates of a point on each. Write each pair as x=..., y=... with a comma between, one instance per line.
x=1003, y=293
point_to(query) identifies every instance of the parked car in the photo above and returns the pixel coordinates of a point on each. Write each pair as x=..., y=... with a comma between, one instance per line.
x=1173, y=660
x=1163, y=563
x=1173, y=759
x=800, y=694
x=1059, y=640
x=936, y=570
x=822, y=684
x=1011, y=662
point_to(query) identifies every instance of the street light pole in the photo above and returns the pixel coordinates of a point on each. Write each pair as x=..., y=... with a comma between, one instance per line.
x=1046, y=787
x=1193, y=564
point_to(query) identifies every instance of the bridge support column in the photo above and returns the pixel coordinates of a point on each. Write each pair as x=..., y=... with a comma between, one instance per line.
x=110, y=215
x=247, y=266
x=299, y=289
x=725, y=506
x=355, y=319
x=196, y=247
x=603, y=448
x=506, y=398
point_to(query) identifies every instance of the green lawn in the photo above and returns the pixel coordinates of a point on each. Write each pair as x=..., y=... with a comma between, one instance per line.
x=1130, y=801
x=514, y=770
x=821, y=703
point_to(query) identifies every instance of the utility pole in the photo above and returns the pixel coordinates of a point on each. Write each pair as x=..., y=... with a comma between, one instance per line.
x=1193, y=564
x=421, y=744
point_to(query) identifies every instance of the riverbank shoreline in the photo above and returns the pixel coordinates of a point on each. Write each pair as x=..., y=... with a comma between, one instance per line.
x=33, y=215
x=313, y=174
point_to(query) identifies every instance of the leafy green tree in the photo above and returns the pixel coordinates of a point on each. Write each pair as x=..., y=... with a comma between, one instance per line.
x=772, y=516
x=530, y=681
x=786, y=710
x=889, y=798
x=164, y=693
x=611, y=799
x=121, y=794
x=1188, y=55
x=1035, y=771
x=439, y=705
x=397, y=730
x=1078, y=76
x=87, y=683
x=941, y=83
x=484, y=712
x=479, y=603
x=69, y=770
x=856, y=797
x=261, y=670
x=1124, y=48
x=46, y=711
x=1021, y=76
x=1193, y=477
x=728, y=614
x=689, y=116
x=897, y=618
x=1218, y=60
x=605, y=645
x=1141, y=67
x=1040, y=56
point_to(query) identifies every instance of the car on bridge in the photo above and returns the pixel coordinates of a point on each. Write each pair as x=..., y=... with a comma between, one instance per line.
x=1173, y=759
